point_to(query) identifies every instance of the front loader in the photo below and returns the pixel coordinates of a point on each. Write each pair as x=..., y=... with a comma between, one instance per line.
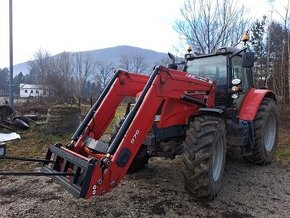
x=197, y=108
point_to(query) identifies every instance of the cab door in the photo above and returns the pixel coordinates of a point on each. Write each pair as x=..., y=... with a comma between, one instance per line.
x=245, y=75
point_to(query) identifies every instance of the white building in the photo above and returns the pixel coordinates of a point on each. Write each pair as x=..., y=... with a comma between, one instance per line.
x=32, y=90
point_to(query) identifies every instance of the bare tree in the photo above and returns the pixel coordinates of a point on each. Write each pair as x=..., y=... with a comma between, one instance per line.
x=60, y=75
x=134, y=63
x=208, y=24
x=125, y=62
x=139, y=63
x=40, y=66
x=163, y=61
x=282, y=76
x=84, y=67
x=105, y=72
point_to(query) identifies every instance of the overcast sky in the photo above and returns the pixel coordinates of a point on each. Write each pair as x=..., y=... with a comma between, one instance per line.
x=79, y=25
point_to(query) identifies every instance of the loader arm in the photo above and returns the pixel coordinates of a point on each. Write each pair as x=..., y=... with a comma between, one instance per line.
x=99, y=171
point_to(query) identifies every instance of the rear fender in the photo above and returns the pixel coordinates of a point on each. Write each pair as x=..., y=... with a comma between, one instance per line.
x=252, y=101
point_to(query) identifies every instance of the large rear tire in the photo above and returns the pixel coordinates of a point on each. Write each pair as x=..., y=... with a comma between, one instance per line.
x=204, y=156
x=266, y=133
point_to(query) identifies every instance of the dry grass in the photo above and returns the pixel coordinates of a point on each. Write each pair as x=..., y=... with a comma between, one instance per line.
x=34, y=142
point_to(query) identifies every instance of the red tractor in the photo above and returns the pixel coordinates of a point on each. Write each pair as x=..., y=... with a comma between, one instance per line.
x=197, y=108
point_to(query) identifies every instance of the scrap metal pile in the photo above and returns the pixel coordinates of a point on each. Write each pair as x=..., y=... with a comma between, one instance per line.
x=10, y=122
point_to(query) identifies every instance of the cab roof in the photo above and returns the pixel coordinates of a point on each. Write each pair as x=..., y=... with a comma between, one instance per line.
x=219, y=51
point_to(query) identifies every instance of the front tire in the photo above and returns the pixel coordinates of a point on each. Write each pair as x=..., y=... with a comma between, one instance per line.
x=204, y=156
x=140, y=161
x=266, y=133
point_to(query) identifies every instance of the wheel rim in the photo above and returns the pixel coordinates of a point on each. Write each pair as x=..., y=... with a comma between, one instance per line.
x=270, y=133
x=217, y=160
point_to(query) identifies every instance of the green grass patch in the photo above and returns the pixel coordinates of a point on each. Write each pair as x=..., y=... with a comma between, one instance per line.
x=283, y=149
x=120, y=111
x=283, y=154
x=33, y=143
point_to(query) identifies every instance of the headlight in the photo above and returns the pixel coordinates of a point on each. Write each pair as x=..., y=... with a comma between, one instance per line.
x=236, y=82
x=235, y=96
x=235, y=88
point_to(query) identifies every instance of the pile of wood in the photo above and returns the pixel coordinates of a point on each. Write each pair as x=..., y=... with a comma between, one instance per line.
x=62, y=119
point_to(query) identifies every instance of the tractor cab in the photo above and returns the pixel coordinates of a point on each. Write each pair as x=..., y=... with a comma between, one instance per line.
x=230, y=67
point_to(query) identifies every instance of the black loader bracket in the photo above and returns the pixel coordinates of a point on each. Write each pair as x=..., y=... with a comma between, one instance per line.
x=62, y=160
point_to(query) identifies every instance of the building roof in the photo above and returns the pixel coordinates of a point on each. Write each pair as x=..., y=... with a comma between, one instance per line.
x=32, y=86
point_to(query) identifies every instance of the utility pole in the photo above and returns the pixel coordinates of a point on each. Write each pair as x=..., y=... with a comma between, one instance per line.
x=11, y=99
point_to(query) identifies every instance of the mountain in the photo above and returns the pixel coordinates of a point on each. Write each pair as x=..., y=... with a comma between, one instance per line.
x=22, y=67
x=107, y=54
x=114, y=53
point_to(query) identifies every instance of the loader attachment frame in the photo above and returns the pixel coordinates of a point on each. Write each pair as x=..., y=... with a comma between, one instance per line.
x=98, y=167
x=65, y=161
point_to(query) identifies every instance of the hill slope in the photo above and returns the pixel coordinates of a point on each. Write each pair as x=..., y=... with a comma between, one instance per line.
x=107, y=54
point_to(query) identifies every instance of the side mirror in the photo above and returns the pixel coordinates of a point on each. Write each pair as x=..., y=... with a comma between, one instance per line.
x=248, y=59
x=2, y=149
x=173, y=65
x=172, y=58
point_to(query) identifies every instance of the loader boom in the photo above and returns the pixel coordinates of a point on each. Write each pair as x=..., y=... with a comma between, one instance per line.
x=102, y=167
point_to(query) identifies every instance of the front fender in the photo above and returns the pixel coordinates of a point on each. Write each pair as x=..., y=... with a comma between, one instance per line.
x=252, y=101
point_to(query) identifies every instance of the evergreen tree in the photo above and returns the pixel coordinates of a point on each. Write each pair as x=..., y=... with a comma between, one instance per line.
x=4, y=81
x=261, y=73
x=16, y=82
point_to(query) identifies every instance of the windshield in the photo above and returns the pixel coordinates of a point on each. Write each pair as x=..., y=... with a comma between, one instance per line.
x=213, y=68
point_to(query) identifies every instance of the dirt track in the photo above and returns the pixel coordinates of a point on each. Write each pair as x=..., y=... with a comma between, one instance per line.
x=157, y=191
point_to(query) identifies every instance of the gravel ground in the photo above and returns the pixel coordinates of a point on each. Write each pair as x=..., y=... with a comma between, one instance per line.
x=157, y=191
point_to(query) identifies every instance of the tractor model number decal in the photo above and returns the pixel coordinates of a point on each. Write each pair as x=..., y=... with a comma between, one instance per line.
x=135, y=136
x=198, y=77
